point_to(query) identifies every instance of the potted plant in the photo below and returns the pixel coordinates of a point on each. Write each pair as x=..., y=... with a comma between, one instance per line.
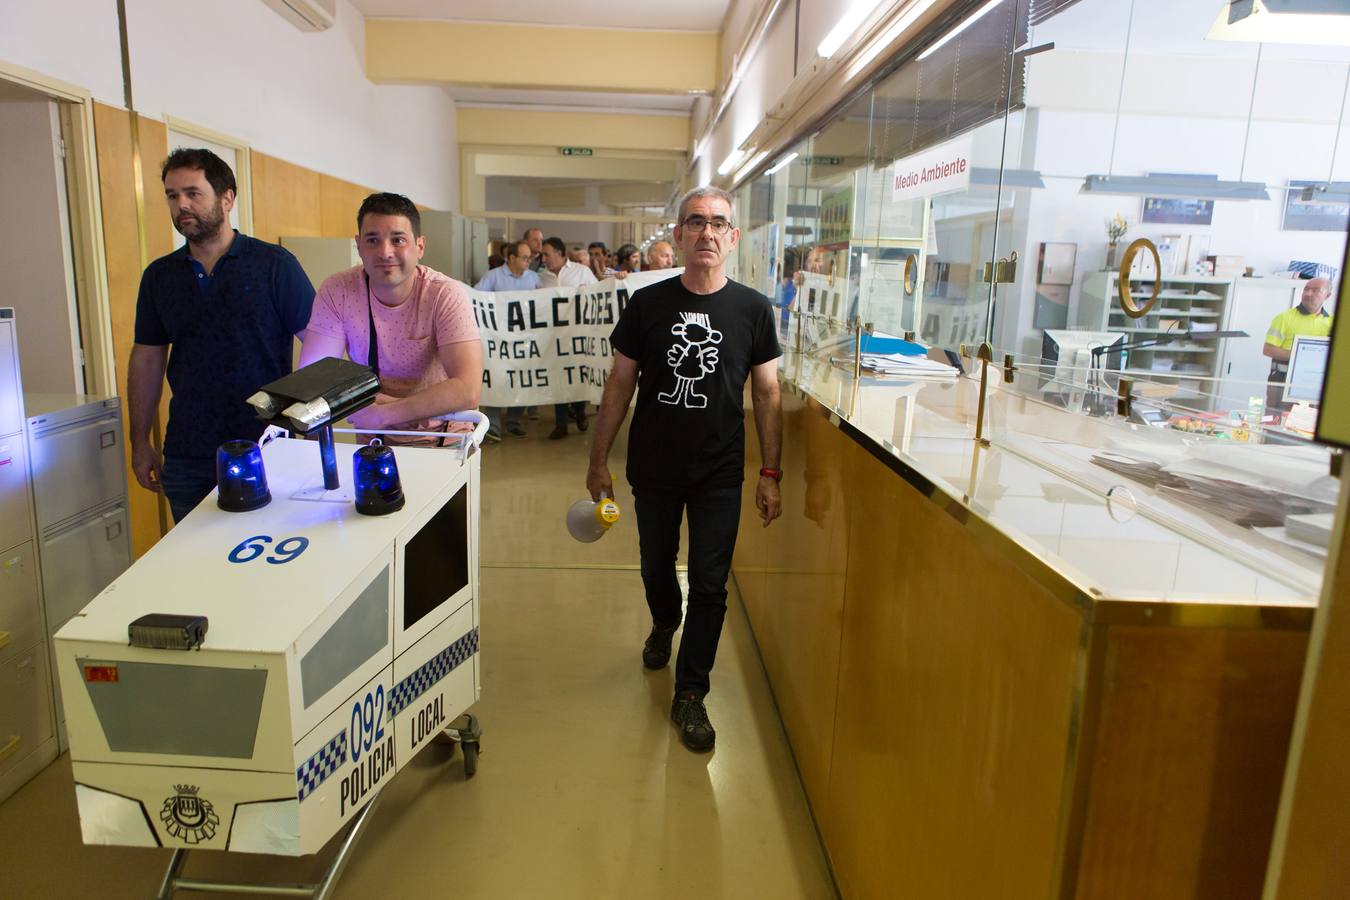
x=1116, y=226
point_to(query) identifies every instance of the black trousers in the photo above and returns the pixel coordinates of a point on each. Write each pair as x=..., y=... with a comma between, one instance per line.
x=714, y=518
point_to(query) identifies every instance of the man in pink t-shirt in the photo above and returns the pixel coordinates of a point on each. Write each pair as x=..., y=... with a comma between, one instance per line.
x=429, y=359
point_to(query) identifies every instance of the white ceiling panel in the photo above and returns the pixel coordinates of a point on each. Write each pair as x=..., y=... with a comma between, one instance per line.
x=689, y=15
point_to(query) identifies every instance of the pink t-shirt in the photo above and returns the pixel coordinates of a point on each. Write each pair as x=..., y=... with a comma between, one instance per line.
x=437, y=313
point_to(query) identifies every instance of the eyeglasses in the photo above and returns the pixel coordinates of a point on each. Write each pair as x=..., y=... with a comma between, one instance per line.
x=696, y=224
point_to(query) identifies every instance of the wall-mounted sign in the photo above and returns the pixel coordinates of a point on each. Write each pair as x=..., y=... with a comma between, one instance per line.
x=822, y=160
x=936, y=170
x=576, y=151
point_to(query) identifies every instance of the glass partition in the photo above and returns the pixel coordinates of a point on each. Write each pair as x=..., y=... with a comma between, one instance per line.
x=989, y=186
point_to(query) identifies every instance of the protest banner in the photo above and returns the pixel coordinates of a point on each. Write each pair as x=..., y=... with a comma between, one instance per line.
x=551, y=345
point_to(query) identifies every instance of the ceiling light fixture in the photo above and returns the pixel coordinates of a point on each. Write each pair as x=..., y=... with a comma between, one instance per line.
x=751, y=165
x=734, y=157
x=1323, y=22
x=888, y=37
x=1194, y=187
x=782, y=163
x=970, y=20
x=847, y=24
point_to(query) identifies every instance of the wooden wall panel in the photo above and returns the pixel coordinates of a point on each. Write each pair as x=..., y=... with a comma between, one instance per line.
x=112, y=131
x=285, y=199
x=956, y=680
x=1315, y=862
x=338, y=202
x=1193, y=732
x=791, y=576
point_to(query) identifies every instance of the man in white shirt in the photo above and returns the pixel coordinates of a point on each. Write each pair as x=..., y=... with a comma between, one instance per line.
x=561, y=272
x=660, y=255
x=558, y=270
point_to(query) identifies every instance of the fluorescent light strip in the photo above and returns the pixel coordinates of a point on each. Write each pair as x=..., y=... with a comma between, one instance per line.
x=782, y=163
x=751, y=165
x=888, y=37
x=847, y=24
x=730, y=162
x=979, y=14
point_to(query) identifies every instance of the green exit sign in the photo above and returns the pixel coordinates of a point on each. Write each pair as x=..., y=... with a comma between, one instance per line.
x=576, y=151
x=822, y=160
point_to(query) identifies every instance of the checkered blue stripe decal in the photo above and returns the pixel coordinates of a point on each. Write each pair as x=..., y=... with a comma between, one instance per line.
x=436, y=668
x=317, y=768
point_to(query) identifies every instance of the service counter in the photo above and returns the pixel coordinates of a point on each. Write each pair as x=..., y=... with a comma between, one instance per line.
x=1007, y=671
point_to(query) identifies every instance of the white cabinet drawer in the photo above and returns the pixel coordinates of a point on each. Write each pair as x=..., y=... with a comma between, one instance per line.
x=25, y=705
x=20, y=610
x=15, y=523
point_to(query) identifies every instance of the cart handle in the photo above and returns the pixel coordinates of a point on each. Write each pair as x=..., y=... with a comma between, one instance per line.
x=480, y=423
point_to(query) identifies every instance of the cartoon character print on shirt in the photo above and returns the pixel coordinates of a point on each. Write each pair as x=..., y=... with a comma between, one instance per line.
x=692, y=358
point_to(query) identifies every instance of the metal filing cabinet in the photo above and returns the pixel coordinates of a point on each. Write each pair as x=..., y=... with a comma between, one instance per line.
x=27, y=726
x=80, y=502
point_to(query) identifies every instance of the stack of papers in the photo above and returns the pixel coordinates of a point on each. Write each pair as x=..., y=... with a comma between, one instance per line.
x=1311, y=528
x=900, y=364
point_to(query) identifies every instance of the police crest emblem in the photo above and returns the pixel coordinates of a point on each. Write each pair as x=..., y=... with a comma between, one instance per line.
x=188, y=817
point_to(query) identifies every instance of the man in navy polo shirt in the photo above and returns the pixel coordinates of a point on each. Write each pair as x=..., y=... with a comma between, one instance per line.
x=228, y=305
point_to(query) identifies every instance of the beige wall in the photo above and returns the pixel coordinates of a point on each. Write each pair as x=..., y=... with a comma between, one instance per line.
x=34, y=246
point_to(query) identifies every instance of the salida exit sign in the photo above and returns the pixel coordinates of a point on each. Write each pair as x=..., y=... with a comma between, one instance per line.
x=576, y=151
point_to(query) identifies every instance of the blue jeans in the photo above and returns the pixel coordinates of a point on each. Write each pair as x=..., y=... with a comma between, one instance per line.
x=714, y=518
x=565, y=412
x=186, y=483
x=494, y=414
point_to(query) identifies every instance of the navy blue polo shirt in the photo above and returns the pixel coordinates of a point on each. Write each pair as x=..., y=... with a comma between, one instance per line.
x=230, y=333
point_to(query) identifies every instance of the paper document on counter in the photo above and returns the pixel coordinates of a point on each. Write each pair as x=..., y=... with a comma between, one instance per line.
x=900, y=364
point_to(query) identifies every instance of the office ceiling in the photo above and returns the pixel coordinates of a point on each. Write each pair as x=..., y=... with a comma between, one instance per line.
x=689, y=15
x=655, y=104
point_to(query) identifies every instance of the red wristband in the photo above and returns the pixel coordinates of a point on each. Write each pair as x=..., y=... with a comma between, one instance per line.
x=775, y=474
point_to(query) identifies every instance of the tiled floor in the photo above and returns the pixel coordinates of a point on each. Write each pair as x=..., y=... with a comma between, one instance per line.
x=583, y=789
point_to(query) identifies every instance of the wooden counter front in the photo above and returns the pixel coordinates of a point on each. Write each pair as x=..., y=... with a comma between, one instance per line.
x=969, y=725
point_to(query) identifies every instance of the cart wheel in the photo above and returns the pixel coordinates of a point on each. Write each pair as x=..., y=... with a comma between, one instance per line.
x=470, y=758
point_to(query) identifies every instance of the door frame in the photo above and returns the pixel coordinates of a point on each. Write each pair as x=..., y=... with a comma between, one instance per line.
x=76, y=106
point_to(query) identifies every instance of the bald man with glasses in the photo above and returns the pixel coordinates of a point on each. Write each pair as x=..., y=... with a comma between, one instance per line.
x=687, y=346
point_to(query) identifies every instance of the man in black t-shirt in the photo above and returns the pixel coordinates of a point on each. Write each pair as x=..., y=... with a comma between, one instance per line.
x=687, y=345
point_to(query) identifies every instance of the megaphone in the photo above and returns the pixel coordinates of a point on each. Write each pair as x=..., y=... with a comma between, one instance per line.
x=588, y=520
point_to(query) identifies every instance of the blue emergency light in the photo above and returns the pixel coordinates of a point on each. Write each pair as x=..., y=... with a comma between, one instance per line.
x=240, y=477
x=378, y=489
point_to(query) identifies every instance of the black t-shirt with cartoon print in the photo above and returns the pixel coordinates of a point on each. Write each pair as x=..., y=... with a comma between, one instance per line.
x=694, y=354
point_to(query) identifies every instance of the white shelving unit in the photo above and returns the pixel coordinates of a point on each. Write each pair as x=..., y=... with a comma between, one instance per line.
x=1185, y=302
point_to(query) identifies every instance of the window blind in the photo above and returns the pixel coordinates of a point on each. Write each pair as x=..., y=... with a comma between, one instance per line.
x=972, y=79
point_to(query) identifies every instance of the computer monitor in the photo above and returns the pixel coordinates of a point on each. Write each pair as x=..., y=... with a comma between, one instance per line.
x=1307, y=367
x=1067, y=355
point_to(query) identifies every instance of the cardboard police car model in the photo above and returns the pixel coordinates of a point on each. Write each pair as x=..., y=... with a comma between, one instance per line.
x=333, y=647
